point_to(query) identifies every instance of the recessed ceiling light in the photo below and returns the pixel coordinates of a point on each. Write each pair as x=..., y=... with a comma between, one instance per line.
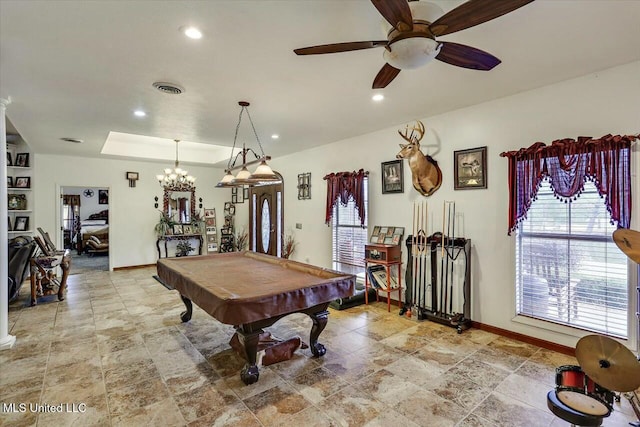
x=275, y=136
x=378, y=97
x=74, y=140
x=139, y=113
x=192, y=32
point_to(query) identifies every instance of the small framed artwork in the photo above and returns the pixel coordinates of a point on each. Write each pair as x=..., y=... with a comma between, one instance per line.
x=234, y=197
x=392, y=177
x=177, y=229
x=133, y=175
x=304, y=186
x=103, y=197
x=211, y=230
x=212, y=238
x=232, y=210
x=187, y=229
x=9, y=182
x=245, y=193
x=23, y=182
x=234, y=190
x=9, y=161
x=210, y=221
x=227, y=205
x=209, y=213
x=22, y=159
x=470, y=168
x=22, y=223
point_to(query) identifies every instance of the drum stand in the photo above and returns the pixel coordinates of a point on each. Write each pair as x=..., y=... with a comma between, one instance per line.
x=633, y=396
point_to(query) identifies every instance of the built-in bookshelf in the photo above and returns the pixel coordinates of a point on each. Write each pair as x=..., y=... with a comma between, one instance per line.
x=20, y=200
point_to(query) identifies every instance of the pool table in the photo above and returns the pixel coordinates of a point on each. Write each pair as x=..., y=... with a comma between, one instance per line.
x=252, y=291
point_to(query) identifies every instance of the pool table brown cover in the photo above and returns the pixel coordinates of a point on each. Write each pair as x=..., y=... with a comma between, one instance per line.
x=243, y=287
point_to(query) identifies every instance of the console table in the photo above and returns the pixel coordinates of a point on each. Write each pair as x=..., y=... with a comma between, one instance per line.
x=168, y=238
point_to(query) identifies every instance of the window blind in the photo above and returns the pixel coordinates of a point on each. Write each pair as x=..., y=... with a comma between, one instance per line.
x=349, y=237
x=568, y=269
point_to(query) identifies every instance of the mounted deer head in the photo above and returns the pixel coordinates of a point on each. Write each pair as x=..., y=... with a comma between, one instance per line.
x=426, y=175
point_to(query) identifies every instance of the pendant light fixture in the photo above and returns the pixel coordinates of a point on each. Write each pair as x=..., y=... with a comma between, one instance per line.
x=263, y=175
x=177, y=178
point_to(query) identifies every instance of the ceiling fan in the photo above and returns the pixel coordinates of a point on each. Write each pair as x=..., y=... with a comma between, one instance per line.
x=411, y=41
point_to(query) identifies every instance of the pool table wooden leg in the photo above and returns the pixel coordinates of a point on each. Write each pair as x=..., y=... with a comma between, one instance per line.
x=319, y=319
x=185, y=316
x=249, y=340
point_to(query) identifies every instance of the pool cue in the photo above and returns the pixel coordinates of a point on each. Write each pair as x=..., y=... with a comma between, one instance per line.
x=424, y=254
x=445, y=255
x=453, y=238
x=414, y=253
x=420, y=281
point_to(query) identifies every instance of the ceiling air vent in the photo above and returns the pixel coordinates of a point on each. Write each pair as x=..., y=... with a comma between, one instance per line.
x=74, y=140
x=170, y=88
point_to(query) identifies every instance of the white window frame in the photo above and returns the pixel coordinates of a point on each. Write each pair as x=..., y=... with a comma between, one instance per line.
x=355, y=267
x=571, y=329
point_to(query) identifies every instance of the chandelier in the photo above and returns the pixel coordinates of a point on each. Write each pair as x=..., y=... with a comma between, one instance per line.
x=263, y=174
x=177, y=178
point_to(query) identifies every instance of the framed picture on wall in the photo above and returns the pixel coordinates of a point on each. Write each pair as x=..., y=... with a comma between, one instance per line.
x=470, y=168
x=392, y=177
x=103, y=197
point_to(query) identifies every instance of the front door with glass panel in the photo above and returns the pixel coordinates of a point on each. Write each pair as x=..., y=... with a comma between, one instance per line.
x=266, y=221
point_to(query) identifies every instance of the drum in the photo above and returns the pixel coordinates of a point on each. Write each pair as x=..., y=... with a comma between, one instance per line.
x=580, y=393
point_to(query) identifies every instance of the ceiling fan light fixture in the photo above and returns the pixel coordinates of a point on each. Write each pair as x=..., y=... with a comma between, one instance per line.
x=412, y=52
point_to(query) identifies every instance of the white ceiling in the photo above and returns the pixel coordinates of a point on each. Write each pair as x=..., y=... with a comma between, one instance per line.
x=79, y=69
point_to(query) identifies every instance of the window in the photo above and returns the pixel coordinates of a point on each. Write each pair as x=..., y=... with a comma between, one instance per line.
x=568, y=269
x=349, y=237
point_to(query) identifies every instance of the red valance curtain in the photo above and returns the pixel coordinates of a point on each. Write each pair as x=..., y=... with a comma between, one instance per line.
x=569, y=164
x=341, y=186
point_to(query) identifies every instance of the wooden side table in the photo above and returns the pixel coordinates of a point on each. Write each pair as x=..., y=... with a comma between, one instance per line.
x=386, y=256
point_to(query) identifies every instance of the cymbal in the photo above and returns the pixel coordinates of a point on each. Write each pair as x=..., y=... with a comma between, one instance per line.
x=629, y=242
x=608, y=363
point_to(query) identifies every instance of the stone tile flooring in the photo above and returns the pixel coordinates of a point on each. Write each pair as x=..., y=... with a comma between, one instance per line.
x=116, y=353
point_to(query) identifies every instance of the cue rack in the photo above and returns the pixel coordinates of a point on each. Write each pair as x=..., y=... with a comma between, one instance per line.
x=438, y=274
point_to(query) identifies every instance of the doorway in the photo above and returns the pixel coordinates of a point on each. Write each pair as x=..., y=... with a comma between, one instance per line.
x=84, y=216
x=266, y=219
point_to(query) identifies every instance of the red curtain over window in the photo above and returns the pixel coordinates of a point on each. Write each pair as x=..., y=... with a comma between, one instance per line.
x=341, y=186
x=569, y=164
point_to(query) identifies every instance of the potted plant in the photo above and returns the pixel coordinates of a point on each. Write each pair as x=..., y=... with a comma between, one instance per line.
x=242, y=240
x=288, y=246
x=164, y=224
x=183, y=248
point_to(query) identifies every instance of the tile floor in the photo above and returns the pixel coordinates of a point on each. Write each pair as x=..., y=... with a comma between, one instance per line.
x=116, y=352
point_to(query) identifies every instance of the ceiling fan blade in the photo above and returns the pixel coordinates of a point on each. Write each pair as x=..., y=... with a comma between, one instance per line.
x=472, y=13
x=339, y=47
x=386, y=74
x=396, y=12
x=466, y=56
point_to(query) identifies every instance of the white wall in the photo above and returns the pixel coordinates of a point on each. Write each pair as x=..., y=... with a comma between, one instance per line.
x=132, y=216
x=593, y=105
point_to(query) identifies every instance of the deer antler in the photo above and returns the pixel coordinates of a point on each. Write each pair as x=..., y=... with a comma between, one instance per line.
x=413, y=138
